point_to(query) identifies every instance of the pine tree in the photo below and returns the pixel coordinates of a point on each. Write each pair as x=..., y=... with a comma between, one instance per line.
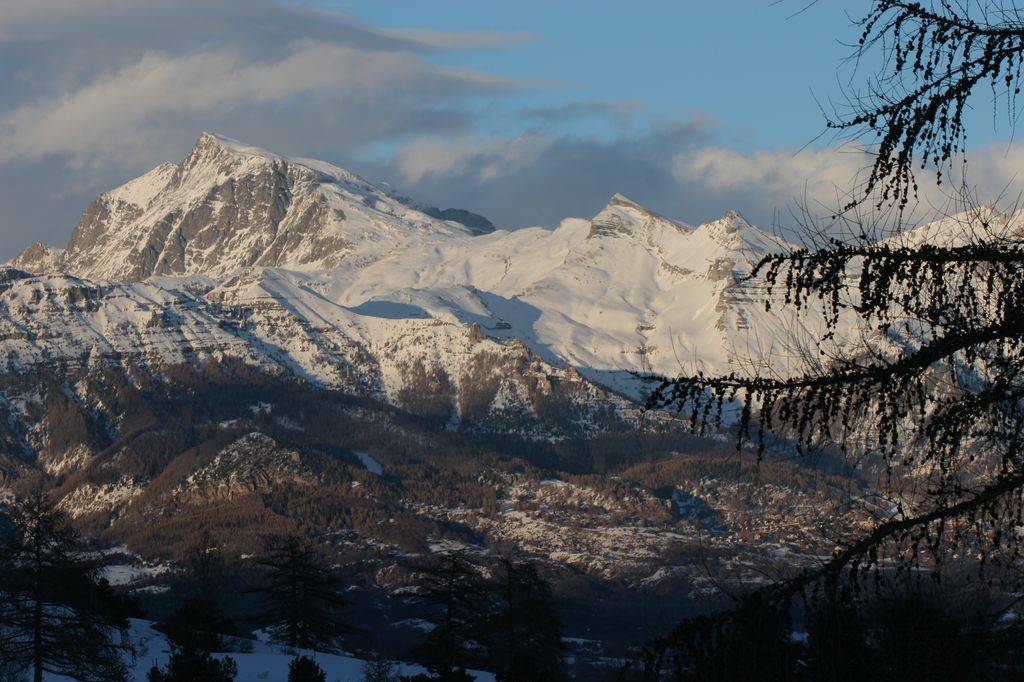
x=380, y=670
x=188, y=664
x=200, y=622
x=838, y=644
x=304, y=598
x=933, y=59
x=526, y=634
x=58, y=616
x=305, y=669
x=919, y=363
x=458, y=599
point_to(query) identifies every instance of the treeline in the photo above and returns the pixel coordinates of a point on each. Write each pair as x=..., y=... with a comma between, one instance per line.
x=907, y=629
x=59, y=616
x=505, y=621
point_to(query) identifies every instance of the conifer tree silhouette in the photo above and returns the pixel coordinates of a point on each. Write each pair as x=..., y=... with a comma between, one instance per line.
x=58, y=615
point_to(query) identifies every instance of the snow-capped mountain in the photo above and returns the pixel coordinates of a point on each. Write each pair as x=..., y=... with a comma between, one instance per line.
x=628, y=291
x=236, y=228
x=228, y=206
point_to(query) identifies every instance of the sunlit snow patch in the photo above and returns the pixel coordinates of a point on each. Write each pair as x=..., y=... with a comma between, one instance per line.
x=372, y=465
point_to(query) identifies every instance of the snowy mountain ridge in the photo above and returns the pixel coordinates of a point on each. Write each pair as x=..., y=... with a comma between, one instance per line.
x=237, y=231
x=228, y=206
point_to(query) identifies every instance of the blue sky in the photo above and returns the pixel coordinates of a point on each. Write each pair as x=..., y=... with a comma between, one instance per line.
x=526, y=112
x=750, y=64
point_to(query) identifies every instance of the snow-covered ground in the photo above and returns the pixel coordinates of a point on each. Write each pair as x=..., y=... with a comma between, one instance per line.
x=127, y=574
x=265, y=663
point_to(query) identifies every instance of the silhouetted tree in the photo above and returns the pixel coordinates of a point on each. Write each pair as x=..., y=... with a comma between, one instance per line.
x=200, y=622
x=930, y=382
x=918, y=630
x=379, y=670
x=305, y=669
x=929, y=634
x=457, y=599
x=189, y=664
x=304, y=597
x=933, y=57
x=937, y=398
x=56, y=614
x=838, y=641
x=526, y=634
x=749, y=644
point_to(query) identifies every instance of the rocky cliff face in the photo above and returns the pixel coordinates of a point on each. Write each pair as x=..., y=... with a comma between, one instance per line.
x=42, y=259
x=228, y=206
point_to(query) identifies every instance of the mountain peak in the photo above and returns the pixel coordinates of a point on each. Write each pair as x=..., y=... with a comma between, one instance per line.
x=732, y=232
x=731, y=222
x=208, y=140
x=624, y=201
x=621, y=216
x=229, y=206
x=211, y=149
x=40, y=258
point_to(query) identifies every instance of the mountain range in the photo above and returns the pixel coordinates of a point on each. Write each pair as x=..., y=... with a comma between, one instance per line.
x=243, y=343
x=234, y=227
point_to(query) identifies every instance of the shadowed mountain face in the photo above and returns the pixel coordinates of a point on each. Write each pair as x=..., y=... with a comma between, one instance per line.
x=474, y=221
x=150, y=456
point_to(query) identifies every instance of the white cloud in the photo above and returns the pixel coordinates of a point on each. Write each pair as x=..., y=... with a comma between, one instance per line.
x=539, y=178
x=479, y=159
x=116, y=86
x=784, y=172
x=133, y=104
x=113, y=87
x=159, y=23
x=828, y=178
x=461, y=40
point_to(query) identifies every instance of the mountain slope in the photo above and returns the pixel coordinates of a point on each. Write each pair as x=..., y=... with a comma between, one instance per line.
x=628, y=291
x=443, y=370
x=228, y=206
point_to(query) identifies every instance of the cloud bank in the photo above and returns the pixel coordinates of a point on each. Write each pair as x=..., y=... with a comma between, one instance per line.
x=539, y=178
x=93, y=92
